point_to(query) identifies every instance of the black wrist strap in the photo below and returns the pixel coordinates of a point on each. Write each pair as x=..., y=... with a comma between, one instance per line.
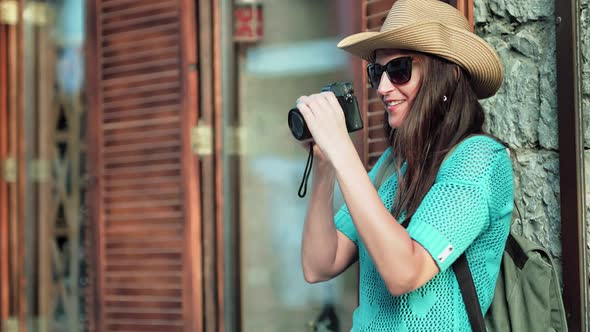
x=306, y=172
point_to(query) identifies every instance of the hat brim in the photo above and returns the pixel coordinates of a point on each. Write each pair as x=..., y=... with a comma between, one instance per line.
x=457, y=45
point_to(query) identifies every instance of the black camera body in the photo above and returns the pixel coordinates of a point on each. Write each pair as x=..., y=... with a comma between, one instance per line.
x=345, y=95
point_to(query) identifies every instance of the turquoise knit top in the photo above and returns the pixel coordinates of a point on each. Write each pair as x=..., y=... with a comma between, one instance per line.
x=468, y=209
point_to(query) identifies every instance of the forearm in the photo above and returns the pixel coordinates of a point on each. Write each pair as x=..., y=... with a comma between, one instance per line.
x=319, y=243
x=388, y=243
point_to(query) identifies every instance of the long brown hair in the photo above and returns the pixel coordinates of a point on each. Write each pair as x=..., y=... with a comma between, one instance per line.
x=444, y=112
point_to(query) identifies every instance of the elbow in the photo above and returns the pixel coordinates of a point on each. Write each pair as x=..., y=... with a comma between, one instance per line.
x=314, y=272
x=398, y=290
x=401, y=284
x=312, y=277
x=409, y=275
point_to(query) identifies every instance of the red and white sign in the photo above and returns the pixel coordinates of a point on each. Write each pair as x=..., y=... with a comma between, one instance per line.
x=248, y=23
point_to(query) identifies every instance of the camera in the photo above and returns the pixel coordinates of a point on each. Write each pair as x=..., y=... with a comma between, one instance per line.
x=345, y=95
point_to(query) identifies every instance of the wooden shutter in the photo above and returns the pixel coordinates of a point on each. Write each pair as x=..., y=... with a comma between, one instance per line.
x=144, y=178
x=12, y=291
x=375, y=138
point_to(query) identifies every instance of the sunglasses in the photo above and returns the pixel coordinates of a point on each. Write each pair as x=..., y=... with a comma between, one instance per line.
x=399, y=71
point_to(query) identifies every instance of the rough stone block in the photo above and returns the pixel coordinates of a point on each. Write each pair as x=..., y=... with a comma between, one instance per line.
x=513, y=114
x=585, y=42
x=548, y=123
x=480, y=11
x=524, y=11
x=537, y=189
x=498, y=7
x=499, y=28
x=530, y=40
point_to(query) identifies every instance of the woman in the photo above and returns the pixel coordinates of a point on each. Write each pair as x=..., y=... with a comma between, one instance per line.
x=451, y=188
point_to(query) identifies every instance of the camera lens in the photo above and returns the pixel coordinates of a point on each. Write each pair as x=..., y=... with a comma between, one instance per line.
x=297, y=124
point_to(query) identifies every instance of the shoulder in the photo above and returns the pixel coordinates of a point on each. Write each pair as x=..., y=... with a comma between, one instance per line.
x=475, y=159
x=479, y=145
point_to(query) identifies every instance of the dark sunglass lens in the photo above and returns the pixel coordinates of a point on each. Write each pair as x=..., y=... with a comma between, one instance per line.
x=400, y=70
x=374, y=71
x=399, y=76
x=371, y=74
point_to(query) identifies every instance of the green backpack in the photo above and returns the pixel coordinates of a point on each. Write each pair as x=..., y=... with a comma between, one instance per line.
x=527, y=296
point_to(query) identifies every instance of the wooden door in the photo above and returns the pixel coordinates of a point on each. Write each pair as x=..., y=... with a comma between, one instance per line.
x=4, y=180
x=144, y=177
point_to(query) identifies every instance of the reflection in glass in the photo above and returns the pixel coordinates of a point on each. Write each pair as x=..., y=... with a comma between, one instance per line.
x=54, y=193
x=292, y=60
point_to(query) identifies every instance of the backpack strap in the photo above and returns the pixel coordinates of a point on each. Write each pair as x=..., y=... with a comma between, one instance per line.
x=467, y=287
x=515, y=251
x=469, y=294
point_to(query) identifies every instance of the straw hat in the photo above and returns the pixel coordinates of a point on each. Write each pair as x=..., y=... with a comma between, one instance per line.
x=432, y=26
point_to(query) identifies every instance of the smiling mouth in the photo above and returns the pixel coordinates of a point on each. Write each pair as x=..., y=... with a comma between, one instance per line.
x=393, y=103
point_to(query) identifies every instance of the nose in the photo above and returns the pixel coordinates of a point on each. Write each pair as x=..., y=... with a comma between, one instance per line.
x=385, y=85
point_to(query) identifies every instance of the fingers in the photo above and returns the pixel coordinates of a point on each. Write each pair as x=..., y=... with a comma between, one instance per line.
x=320, y=108
x=332, y=100
x=321, y=102
x=324, y=117
x=304, y=109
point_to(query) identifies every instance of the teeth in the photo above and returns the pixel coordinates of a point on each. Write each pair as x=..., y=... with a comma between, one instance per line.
x=393, y=103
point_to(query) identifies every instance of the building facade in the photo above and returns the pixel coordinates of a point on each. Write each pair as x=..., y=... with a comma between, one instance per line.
x=149, y=179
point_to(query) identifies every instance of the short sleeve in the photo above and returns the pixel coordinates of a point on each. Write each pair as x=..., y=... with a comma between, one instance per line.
x=457, y=208
x=449, y=218
x=342, y=218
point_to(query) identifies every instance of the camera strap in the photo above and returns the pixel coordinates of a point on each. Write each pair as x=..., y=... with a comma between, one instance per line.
x=306, y=172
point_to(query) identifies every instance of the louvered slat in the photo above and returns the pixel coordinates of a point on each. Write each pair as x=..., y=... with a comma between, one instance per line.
x=137, y=47
x=143, y=105
x=124, y=231
x=144, y=88
x=146, y=8
x=138, y=80
x=135, y=114
x=114, y=194
x=159, y=134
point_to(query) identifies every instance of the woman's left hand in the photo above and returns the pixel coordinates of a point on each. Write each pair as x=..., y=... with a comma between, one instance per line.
x=325, y=119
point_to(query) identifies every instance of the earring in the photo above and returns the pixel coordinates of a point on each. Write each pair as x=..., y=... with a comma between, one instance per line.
x=445, y=98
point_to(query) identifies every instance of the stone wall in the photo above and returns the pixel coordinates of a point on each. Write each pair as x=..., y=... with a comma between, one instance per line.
x=524, y=112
